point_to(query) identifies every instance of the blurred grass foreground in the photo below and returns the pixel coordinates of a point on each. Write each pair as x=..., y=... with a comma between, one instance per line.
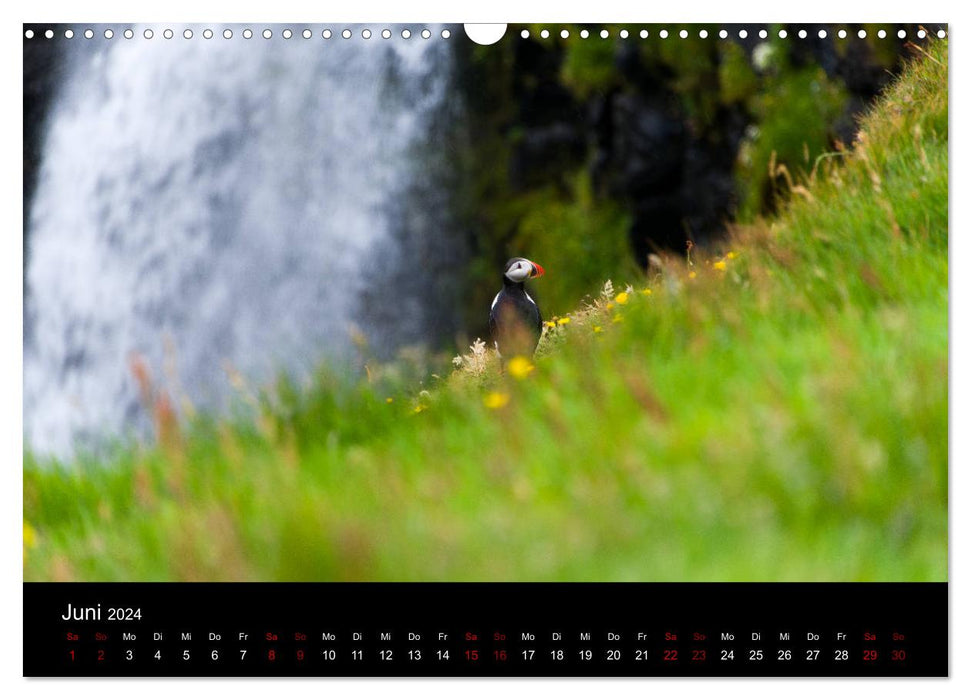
x=775, y=410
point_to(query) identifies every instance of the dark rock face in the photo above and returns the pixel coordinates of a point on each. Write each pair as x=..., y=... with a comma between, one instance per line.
x=548, y=137
x=861, y=73
x=648, y=143
x=678, y=184
x=708, y=186
x=642, y=161
x=544, y=152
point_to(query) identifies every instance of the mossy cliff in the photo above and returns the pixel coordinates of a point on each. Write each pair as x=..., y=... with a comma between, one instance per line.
x=590, y=154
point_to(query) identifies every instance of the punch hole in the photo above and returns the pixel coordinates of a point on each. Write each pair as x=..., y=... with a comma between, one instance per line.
x=703, y=34
x=267, y=34
x=822, y=34
x=446, y=34
x=921, y=34
x=663, y=34
x=485, y=34
x=783, y=33
x=29, y=34
x=88, y=33
x=347, y=33
x=386, y=34
x=108, y=34
x=49, y=34
x=148, y=34
x=644, y=33
x=168, y=34
x=68, y=33
x=723, y=34
x=803, y=33
x=941, y=34
x=327, y=34
x=901, y=34
x=425, y=34
x=366, y=34
x=604, y=34
x=564, y=33
x=287, y=33
x=683, y=33
x=624, y=34
x=187, y=34
x=882, y=34
x=763, y=34
x=228, y=34
x=545, y=34
x=306, y=34
x=742, y=34
x=129, y=34
x=524, y=34
x=247, y=33
x=207, y=34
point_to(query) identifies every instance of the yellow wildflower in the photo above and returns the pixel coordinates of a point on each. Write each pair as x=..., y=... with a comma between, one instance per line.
x=647, y=291
x=550, y=324
x=389, y=400
x=621, y=298
x=692, y=275
x=720, y=265
x=610, y=305
x=520, y=367
x=731, y=255
x=495, y=399
x=30, y=538
x=563, y=321
x=419, y=408
x=597, y=329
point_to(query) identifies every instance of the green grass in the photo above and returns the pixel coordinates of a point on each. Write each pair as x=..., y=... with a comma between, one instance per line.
x=776, y=410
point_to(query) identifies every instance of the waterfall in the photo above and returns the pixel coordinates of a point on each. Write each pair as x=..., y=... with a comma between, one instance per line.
x=224, y=202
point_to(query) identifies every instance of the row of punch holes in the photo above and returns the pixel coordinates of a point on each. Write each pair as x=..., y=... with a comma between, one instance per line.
x=246, y=34
x=445, y=34
x=724, y=34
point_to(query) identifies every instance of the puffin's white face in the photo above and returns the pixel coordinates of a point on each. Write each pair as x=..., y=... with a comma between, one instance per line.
x=521, y=269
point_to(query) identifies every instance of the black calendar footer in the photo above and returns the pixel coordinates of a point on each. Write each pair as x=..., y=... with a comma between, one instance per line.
x=485, y=629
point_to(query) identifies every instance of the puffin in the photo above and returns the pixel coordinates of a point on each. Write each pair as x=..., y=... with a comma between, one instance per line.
x=514, y=319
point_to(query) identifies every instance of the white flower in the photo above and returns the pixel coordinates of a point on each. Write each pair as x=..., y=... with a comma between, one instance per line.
x=762, y=55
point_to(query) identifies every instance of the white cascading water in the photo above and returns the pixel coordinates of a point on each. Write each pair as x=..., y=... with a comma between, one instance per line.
x=221, y=198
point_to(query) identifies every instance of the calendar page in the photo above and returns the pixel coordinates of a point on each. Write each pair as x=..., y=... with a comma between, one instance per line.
x=485, y=350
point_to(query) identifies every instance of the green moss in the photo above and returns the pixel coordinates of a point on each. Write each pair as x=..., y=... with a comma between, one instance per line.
x=693, y=65
x=794, y=114
x=589, y=66
x=736, y=79
x=580, y=241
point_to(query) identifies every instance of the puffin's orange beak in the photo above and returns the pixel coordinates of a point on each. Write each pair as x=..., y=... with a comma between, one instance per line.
x=538, y=270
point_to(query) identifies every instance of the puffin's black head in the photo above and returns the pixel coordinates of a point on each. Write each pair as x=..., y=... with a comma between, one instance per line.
x=521, y=269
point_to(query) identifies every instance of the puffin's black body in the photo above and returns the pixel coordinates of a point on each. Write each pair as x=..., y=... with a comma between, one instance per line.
x=514, y=319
